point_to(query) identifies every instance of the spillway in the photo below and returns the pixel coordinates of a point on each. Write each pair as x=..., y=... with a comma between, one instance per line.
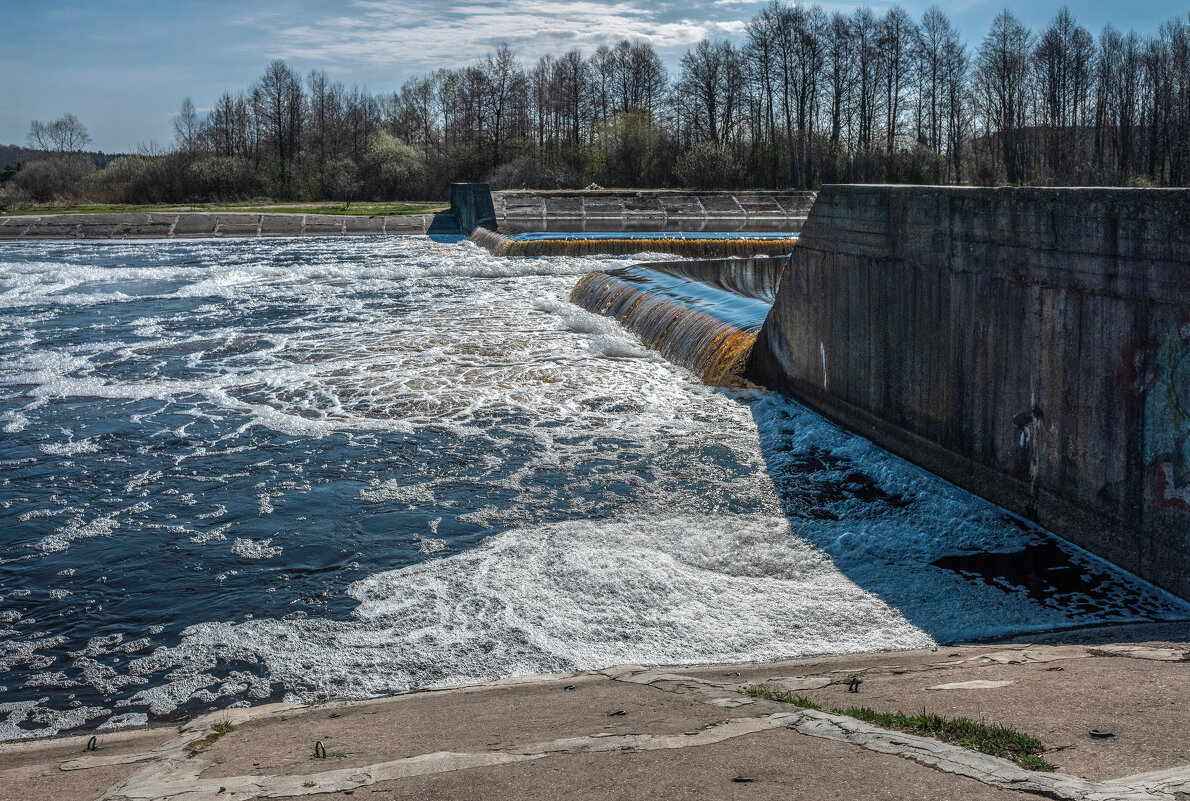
x=703, y=315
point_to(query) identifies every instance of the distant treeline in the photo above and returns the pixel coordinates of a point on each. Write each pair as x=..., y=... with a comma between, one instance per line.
x=807, y=97
x=13, y=158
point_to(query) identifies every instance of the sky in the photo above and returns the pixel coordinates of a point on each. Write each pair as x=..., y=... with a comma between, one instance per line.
x=124, y=67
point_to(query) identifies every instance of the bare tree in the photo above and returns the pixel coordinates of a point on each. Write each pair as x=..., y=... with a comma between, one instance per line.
x=278, y=105
x=701, y=85
x=64, y=135
x=897, y=38
x=1004, y=73
x=186, y=127
x=1062, y=61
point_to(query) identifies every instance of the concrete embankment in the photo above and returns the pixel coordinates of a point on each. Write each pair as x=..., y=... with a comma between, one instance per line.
x=681, y=732
x=181, y=225
x=1031, y=345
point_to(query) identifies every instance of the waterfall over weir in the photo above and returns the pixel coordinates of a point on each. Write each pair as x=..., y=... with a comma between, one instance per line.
x=703, y=315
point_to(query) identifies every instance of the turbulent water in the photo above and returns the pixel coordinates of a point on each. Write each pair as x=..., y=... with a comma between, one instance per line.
x=242, y=470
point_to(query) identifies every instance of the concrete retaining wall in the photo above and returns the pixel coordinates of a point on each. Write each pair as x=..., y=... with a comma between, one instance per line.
x=1032, y=345
x=196, y=224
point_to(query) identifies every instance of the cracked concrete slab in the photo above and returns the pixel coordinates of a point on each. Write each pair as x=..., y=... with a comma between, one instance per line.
x=629, y=729
x=508, y=716
x=781, y=764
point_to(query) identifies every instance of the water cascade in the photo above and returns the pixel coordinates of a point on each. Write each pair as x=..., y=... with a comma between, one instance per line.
x=704, y=315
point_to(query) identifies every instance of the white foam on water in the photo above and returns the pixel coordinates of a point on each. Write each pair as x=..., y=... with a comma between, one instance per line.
x=217, y=534
x=347, y=363
x=430, y=546
x=255, y=549
x=129, y=720
x=581, y=595
x=570, y=596
x=71, y=447
x=392, y=490
x=13, y=422
x=80, y=528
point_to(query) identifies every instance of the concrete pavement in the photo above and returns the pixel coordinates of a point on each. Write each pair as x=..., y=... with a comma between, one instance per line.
x=686, y=732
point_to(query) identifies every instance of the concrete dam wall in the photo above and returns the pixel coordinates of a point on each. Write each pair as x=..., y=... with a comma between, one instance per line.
x=650, y=210
x=1031, y=345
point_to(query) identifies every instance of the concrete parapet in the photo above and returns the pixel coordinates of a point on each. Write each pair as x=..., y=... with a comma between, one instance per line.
x=1032, y=345
x=661, y=210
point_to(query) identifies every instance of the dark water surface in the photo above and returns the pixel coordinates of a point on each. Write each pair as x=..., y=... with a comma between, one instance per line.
x=240, y=470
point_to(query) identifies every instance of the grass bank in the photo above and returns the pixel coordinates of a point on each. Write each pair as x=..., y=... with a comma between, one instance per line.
x=1000, y=741
x=368, y=209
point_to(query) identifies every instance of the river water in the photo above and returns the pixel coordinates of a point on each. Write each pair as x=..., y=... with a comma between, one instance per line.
x=234, y=471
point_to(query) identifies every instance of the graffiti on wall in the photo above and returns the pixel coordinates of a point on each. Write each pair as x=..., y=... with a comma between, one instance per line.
x=1157, y=373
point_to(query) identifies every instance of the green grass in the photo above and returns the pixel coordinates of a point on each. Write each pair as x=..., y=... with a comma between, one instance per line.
x=782, y=696
x=1000, y=741
x=218, y=730
x=370, y=209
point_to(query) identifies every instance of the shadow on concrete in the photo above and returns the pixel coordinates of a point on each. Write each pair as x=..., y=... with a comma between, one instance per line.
x=954, y=565
x=444, y=227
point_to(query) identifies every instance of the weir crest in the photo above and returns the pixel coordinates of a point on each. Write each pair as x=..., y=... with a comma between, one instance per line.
x=702, y=315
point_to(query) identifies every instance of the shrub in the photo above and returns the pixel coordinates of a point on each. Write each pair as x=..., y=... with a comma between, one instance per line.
x=58, y=178
x=706, y=165
x=12, y=198
x=526, y=172
x=128, y=179
x=390, y=169
x=225, y=178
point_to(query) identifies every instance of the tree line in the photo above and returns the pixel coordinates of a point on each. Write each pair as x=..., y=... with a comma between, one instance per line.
x=806, y=97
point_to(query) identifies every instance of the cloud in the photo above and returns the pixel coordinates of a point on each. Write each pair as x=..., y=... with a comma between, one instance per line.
x=418, y=35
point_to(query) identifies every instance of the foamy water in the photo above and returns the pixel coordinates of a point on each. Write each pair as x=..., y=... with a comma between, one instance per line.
x=242, y=470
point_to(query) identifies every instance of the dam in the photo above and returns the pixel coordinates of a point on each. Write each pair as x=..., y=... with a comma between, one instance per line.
x=1026, y=344
x=249, y=469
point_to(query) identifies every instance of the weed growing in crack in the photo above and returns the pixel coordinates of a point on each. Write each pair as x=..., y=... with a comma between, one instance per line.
x=1000, y=741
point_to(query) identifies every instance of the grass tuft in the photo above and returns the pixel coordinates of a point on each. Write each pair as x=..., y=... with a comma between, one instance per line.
x=218, y=730
x=1000, y=741
x=784, y=697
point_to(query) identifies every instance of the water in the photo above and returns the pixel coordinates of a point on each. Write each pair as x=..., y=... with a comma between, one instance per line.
x=244, y=470
x=702, y=315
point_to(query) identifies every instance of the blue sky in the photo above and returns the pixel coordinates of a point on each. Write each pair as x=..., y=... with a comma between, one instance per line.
x=123, y=67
